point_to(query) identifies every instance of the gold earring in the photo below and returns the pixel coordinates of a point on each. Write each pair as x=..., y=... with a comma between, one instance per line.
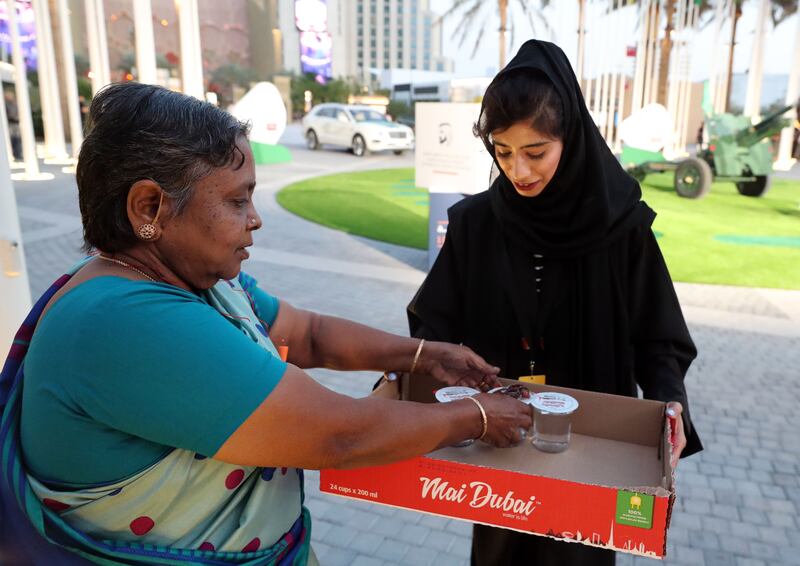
x=146, y=232
x=149, y=232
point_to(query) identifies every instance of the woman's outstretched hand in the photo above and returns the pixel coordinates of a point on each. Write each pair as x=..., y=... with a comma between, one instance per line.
x=507, y=419
x=456, y=365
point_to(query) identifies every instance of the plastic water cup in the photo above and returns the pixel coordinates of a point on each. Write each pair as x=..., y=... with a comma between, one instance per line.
x=552, y=421
x=455, y=393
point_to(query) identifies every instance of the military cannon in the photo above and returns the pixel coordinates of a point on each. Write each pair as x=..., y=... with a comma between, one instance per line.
x=737, y=151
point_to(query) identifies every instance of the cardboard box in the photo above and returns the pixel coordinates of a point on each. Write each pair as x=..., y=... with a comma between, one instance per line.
x=612, y=488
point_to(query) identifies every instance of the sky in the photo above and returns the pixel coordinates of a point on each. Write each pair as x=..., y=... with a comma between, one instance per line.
x=608, y=36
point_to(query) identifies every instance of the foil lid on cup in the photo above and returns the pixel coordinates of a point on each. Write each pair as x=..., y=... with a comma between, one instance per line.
x=554, y=403
x=447, y=394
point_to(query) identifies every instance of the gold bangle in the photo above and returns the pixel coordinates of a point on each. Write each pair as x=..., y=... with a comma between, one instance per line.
x=416, y=356
x=483, y=417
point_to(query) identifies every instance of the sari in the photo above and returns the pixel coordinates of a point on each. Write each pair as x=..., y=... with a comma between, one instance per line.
x=106, y=524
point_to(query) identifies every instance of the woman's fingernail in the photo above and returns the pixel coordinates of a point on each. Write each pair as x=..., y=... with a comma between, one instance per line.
x=671, y=412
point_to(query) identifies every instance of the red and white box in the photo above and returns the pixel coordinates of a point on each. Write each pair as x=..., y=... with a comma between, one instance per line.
x=612, y=488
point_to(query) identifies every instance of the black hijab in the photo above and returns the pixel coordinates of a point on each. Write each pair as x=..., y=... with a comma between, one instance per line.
x=591, y=201
x=608, y=305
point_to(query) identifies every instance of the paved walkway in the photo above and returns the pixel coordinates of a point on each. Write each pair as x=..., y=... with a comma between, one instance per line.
x=738, y=501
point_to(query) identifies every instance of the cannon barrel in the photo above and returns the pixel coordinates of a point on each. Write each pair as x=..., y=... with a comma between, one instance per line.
x=770, y=125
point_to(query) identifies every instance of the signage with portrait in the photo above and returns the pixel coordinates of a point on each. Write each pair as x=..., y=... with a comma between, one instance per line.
x=316, y=54
x=449, y=158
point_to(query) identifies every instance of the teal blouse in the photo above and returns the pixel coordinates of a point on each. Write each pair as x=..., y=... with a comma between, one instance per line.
x=119, y=372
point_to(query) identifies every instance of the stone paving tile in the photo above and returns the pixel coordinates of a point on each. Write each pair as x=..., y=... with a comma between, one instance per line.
x=739, y=547
x=450, y=560
x=337, y=556
x=367, y=542
x=789, y=555
x=688, y=556
x=737, y=501
x=362, y=560
x=420, y=555
x=704, y=540
x=718, y=558
x=339, y=535
x=392, y=550
x=440, y=540
x=412, y=534
x=434, y=522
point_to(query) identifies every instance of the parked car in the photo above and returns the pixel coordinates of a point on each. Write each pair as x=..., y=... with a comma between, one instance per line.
x=360, y=128
x=406, y=121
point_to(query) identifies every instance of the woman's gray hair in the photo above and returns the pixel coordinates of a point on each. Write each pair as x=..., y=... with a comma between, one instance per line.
x=136, y=132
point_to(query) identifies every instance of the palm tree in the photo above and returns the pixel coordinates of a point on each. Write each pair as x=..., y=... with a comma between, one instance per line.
x=472, y=12
x=779, y=11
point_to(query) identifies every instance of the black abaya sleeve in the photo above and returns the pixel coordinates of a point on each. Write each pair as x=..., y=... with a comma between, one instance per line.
x=436, y=311
x=663, y=348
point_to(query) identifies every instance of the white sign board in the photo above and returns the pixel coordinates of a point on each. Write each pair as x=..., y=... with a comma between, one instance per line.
x=263, y=107
x=448, y=157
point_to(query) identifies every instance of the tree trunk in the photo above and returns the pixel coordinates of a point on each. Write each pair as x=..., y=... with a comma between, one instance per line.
x=503, y=7
x=581, y=39
x=664, y=56
x=736, y=15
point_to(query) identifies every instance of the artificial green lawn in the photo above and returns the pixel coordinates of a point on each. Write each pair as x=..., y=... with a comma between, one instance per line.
x=724, y=238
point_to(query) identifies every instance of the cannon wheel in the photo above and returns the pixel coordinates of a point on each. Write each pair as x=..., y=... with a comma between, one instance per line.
x=693, y=178
x=755, y=188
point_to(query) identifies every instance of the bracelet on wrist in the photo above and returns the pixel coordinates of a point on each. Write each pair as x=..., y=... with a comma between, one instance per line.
x=484, y=419
x=416, y=356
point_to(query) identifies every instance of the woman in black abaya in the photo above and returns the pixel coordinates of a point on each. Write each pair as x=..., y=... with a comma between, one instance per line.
x=555, y=271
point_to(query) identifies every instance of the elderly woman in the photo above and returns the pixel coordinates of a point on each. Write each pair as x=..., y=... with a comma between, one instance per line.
x=147, y=416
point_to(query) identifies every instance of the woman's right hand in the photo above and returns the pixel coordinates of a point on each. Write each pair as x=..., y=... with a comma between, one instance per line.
x=506, y=418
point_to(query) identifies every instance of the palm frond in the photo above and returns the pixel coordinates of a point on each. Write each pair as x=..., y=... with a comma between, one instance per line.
x=540, y=15
x=782, y=9
x=478, y=42
x=468, y=22
x=457, y=4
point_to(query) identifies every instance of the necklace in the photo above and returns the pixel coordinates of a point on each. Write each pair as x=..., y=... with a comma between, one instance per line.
x=127, y=265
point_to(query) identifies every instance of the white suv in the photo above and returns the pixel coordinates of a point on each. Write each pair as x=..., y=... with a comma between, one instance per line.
x=360, y=128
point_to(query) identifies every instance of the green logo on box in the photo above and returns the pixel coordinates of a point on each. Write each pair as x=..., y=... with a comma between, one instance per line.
x=635, y=509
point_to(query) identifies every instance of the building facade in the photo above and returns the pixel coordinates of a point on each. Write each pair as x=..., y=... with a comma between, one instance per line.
x=370, y=36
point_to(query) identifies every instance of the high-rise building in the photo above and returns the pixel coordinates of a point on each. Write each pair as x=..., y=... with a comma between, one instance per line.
x=368, y=36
